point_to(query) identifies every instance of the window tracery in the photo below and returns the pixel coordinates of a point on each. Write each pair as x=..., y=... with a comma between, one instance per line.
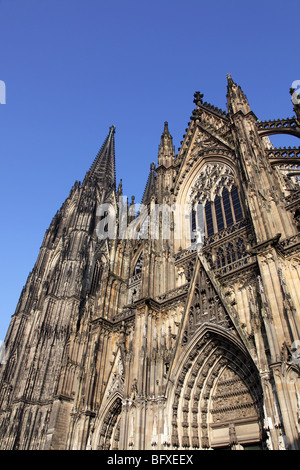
x=139, y=265
x=215, y=200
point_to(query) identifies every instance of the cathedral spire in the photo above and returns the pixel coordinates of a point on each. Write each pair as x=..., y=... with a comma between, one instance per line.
x=103, y=167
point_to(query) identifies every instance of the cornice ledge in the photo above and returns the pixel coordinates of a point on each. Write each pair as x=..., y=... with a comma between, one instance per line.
x=261, y=247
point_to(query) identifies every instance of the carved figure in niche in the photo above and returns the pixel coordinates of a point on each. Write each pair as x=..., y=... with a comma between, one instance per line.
x=198, y=311
x=133, y=389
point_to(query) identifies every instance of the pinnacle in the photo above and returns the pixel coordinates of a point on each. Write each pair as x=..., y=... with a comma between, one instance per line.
x=166, y=131
x=166, y=149
x=229, y=78
x=150, y=184
x=198, y=97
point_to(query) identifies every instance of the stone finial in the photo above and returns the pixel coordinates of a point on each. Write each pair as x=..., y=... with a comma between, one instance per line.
x=198, y=97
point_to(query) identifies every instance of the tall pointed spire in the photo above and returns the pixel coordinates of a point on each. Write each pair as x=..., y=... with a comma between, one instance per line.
x=103, y=167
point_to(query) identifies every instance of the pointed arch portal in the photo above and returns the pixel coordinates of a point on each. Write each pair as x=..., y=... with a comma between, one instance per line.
x=110, y=429
x=217, y=398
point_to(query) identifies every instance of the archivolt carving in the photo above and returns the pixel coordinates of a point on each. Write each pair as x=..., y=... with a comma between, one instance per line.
x=108, y=430
x=216, y=371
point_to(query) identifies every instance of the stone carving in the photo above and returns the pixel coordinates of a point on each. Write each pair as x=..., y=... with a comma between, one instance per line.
x=209, y=182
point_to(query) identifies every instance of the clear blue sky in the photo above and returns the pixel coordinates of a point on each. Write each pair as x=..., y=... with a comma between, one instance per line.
x=72, y=68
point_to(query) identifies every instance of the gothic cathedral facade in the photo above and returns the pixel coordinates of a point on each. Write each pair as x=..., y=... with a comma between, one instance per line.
x=184, y=340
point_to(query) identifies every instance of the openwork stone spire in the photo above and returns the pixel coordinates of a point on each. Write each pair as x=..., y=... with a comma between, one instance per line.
x=103, y=167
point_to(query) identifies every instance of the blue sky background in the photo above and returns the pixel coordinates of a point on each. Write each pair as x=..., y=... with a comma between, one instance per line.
x=72, y=68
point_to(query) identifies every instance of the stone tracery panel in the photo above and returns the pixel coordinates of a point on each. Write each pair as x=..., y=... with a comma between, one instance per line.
x=210, y=181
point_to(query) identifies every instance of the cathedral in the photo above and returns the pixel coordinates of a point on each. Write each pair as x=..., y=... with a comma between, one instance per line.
x=173, y=324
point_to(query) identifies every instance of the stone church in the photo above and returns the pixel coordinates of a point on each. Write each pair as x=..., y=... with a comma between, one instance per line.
x=182, y=337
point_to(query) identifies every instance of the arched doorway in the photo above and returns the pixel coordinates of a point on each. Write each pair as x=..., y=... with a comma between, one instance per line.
x=217, y=398
x=109, y=435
